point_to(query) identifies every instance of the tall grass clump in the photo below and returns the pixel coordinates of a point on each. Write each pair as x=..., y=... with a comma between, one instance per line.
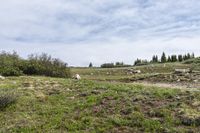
x=6, y=100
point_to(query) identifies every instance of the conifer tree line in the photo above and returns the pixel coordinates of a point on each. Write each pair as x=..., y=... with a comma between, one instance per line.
x=173, y=58
x=165, y=59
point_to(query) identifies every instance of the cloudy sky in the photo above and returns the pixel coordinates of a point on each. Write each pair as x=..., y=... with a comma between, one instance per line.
x=98, y=31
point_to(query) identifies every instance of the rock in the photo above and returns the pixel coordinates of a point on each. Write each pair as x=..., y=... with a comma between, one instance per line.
x=78, y=77
x=72, y=98
x=178, y=98
x=2, y=77
x=83, y=94
x=190, y=121
x=96, y=92
x=28, y=84
x=41, y=96
x=182, y=71
x=131, y=71
x=137, y=71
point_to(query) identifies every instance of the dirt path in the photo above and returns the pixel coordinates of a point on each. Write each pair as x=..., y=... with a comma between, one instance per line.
x=168, y=85
x=185, y=87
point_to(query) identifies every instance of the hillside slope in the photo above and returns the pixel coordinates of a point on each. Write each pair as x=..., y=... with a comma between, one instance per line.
x=63, y=105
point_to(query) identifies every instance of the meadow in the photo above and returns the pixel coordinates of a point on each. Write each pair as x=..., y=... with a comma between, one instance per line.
x=104, y=100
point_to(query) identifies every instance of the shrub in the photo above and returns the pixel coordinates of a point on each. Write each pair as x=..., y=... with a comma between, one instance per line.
x=10, y=71
x=6, y=100
x=108, y=65
x=9, y=64
x=45, y=65
x=12, y=65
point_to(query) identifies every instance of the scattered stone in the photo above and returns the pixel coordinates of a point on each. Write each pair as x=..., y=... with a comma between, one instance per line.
x=2, y=77
x=131, y=71
x=178, y=98
x=190, y=121
x=78, y=77
x=27, y=84
x=83, y=94
x=53, y=92
x=41, y=96
x=96, y=92
x=68, y=89
x=182, y=71
x=72, y=98
x=196, y=103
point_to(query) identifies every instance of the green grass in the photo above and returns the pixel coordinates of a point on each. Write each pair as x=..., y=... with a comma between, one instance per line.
x=64, y=105
x=121, y=73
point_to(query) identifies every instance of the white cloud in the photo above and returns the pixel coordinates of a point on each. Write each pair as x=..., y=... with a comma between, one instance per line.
x=101, y=30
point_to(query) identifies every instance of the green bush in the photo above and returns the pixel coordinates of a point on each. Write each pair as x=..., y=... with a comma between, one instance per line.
x=13, y=65
x=10, y=71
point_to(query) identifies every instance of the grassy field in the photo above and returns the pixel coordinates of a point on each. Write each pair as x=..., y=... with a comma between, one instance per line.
x=45, y=104
x=154, y=73
x=105, y=100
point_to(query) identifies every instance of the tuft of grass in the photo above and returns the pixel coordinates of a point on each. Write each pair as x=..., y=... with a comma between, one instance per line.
x=6, y=100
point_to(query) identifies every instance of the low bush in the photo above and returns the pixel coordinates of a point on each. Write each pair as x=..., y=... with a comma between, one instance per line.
x=10, y=71
x=6, y=100
x=12, y=65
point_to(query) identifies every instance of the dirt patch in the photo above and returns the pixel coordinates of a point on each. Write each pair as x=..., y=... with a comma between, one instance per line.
x=169, y=80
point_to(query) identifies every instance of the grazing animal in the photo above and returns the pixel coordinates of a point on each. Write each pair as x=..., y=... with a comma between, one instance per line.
x=78, y=77
x=1, y=77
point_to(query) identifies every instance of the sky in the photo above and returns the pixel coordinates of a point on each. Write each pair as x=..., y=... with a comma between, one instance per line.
x=98, y=31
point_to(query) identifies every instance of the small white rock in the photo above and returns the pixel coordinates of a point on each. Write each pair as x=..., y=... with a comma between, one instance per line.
x=78, y=77
x=2, y=77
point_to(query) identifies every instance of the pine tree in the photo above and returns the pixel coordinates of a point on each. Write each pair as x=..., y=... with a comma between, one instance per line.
x=192, y=56
x=90, y=65
x=174, y=58
x=163, y=58
x=180, y=58
x=169, y=59
x=185, y=57
x=155, y=59
x=188, y=56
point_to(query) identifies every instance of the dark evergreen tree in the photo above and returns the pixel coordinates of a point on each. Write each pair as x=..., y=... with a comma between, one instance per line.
x=180, y=58
x=192, y=56
x=188, y=56
x=90, y=65
x=163, y=58
x=154, y=59
x=119, y=64
x=169, y=59
x=138, y=61
x=174, y=58
x=184, y=57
